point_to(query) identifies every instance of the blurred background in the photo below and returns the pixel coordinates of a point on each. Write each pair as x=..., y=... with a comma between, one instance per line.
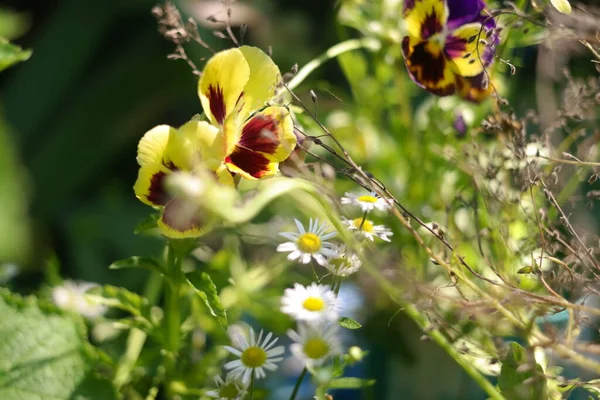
x=71, y=117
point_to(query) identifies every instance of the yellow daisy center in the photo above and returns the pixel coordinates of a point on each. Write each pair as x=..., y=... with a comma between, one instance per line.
x=313, y=304
x=367, y=199
x=229, y=391
x=254, y=357
x=316, y=348
x=309, y=243
x=367, y=225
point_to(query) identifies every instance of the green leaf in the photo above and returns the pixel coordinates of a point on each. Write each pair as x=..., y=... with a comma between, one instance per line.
x=44, y=353
x=204, y=287
x=147, y=224
x=349, y=323
x=125, y=300
x=11, y=54
x=562, y=6
x=525, y=270
x=521, y=378
x=138, y=262
x=350, y=383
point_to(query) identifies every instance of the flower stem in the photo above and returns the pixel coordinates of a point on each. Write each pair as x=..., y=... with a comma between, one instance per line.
x=172, y=312
x=298, y=383
x=364, y=218
x=252, y=384
x=331, y=53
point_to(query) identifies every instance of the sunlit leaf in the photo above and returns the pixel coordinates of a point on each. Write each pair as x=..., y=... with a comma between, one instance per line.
x=521, y=378
x=351, y=383
x=562, y=6
x=44, y=354
x=11, y=54
x=349, y=323
x=123, y=299
x=138, y=262
x=204, y=287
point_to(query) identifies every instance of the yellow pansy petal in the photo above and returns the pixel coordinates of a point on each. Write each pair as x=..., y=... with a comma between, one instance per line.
x=224, y=177
x=180, y=152
x=149, y=186
x=222, y=83
x=263, y=80
x=181, y=219
x=428, y=67
x=425, y=18
x=152, y=146
x=207, y=142
x=475, y=89
x=466, y=50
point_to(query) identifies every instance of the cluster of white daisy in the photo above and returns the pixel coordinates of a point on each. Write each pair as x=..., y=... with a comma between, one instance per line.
x=315, y=308
x=362, y=225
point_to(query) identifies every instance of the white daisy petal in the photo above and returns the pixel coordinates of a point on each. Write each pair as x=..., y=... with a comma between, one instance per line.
x=308, y=244
x=314, y=344
x=313, y=303
x=252, y=354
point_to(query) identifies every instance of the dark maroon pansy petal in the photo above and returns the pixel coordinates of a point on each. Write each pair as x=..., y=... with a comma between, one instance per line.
x=260, y=134
x=217, y=103
x=463, y=12
x=157, y=193
x=431, y=25
x=181, y=215
x=253, y=163
x=426, y=69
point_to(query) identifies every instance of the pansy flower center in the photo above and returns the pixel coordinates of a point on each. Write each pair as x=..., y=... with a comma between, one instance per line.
x=367, y=225
x=313, y=304
x=367, y=199
x=254, y=357
x=309, y=243
x=316, y=348
x=229, y=391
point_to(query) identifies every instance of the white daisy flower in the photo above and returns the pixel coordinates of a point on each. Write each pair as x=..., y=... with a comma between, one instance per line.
x=255, y=355
x=71, y=296
x=366, y=228
x=228, y=389
x=343, y=264
x=308, y=244
x=315, y=344
x=312, y=303
x=367, y=202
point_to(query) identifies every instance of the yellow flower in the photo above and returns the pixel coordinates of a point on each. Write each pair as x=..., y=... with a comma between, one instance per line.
x=163, y=151
x=235, y=89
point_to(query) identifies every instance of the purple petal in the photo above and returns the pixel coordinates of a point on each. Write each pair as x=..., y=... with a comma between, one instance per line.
x=463, y=12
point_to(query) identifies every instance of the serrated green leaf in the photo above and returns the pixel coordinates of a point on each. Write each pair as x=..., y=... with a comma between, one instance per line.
x=44, y=353
x=350, y=383
x=125, y=300
x=138, y=262
x=521, y=378
x=204, y=287
x=349, y=323
x=11, y=54
x=147, y=224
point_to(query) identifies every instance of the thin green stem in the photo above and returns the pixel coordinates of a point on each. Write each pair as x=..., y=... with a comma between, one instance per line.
x=364, y=218
x=172, y=312
x=331, y=53
x=298, y=383
x=137, y=337
x=252, y=384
